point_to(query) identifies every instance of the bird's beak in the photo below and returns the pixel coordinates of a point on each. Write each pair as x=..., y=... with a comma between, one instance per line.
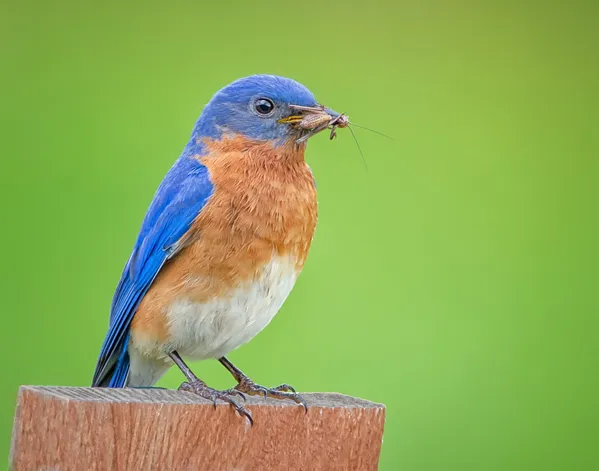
x=294, y=118
x=331, y=113
x=303, y=111
x=311, y=120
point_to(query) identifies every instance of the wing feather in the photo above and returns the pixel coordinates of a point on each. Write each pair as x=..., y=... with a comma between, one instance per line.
x=180, y=198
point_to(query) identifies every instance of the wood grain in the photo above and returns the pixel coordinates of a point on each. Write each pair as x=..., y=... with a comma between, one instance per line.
x=88, y=429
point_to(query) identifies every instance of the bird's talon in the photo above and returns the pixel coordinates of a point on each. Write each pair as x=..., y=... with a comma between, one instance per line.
x=214, y=395
x=284, y=391
x=244, y=413
x=240, y=394
x=237, y=392
x=285, y=388
x=303, y=403
x=245, y=384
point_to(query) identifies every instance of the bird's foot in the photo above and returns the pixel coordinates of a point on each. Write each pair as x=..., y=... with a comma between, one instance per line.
x=284, y=391
x=201, y=389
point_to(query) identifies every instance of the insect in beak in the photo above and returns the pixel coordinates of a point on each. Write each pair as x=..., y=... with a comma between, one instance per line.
x=315, y=119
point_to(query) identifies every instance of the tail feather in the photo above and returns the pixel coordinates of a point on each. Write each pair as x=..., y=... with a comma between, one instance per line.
x=117, y=372
x=121, y=372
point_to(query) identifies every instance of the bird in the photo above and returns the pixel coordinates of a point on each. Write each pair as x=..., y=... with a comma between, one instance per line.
x=222, y=243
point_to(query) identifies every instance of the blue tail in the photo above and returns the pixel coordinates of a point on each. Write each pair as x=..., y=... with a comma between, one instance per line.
x=115, y=371
x=121, y=371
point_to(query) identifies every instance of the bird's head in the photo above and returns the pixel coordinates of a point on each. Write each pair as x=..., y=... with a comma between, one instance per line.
x=265, y=108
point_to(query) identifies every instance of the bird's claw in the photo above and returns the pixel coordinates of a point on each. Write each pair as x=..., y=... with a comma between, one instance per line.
x=201, y=389
x=285, y=388
x=283, y=391
x=237, y=393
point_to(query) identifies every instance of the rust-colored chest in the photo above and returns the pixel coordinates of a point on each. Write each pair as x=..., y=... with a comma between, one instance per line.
x=261, y=215
x=264, y=200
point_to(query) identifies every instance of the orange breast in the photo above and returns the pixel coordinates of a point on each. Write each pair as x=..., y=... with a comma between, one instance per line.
x=263, y=205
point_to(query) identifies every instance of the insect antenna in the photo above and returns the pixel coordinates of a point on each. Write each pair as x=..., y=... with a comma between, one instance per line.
x=372, y=130
x=359, y=148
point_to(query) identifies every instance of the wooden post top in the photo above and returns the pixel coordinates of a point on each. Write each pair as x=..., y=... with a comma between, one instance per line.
x=87, y=429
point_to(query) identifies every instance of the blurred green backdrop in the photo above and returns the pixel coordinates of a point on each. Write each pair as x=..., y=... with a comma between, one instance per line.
x=456, y=281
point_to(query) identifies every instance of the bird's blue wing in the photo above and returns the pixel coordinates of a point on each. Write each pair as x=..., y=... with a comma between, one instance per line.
x=177, y=202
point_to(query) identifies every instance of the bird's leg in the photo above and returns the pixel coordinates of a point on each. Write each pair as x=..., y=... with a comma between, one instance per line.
x=246, y=385
x=197, y=386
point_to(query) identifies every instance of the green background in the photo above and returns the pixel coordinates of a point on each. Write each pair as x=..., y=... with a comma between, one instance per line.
x=455, y=281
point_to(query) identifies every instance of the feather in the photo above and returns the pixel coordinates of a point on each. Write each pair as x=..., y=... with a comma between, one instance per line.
x=177, y=202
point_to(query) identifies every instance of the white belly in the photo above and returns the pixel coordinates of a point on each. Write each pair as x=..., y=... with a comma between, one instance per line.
x=213, y=329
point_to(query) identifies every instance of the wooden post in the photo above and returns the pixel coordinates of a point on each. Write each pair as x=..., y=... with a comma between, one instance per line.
x=89, y=429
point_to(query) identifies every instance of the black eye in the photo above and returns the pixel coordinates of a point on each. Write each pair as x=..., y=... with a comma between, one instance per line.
x=264, y=106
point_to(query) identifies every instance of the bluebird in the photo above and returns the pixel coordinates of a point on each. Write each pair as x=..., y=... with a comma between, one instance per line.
x=223, y=241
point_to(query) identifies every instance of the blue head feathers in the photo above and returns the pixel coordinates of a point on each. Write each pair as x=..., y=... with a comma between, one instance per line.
x=252, y=106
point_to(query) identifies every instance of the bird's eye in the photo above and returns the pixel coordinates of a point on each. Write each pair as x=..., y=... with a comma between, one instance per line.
x=264, y=106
